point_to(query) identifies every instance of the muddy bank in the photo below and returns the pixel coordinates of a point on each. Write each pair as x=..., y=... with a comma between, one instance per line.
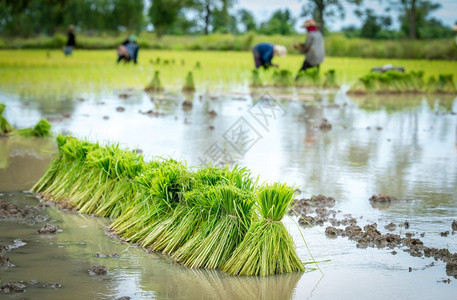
x=315, y=212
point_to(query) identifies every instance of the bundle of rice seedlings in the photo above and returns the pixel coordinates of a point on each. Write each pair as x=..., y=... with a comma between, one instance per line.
x=72, y=175
x=226, y=232
x=41, y=129
x=267, y=248
x=330, y=79
x=446, y=83
x=198, y=65
x=189, y=86
x=5, y=126
x=308, y=77
x=161, y=193
x=282, y=78
x=155, y=85
x=256, y=81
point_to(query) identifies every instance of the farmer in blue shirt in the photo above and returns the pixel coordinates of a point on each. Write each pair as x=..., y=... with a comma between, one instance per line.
x=264, y=52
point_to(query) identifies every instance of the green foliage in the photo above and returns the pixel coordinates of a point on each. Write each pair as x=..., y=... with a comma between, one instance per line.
x=281, y=22
x=154, y=85
x=189, y=85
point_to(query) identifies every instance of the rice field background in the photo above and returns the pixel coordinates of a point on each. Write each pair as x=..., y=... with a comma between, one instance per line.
x=43, y=72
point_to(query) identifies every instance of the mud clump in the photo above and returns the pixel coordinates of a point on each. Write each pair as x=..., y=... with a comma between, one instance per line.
x=5, y=262
x=451, y=268
x=333, y=232
x=112, y=255
x=51, y=285
x=325, y=125
x=49, y=229
x=323, y=201
x=383, y=198
x=14, y=287
x=454, y=225
x=187, y=105
x=212, y=114
x=444, y=233
x=9, y=211
x=123, y=298
x=120, y=109
x=98, y=270
x=390, y=226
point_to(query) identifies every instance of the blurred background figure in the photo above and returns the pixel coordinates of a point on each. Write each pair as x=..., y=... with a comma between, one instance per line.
x=71, y=41
x=264, y=52
x=128, y=50
x=313, y=48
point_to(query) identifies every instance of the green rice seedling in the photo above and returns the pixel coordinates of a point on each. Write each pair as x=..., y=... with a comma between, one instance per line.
x=158, y=60
x=189, y=85
x=162, y=191
x=446, y=83
x=282, y=78
x=5, y=126
x=233, y=220
x=256, y=81
x=198, y=65
x=154, y=85
x=41, y=129
x=267, y=248
x=308, y=77
x=330, y=79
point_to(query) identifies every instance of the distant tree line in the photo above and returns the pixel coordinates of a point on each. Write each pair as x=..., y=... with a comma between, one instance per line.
x=27, y=18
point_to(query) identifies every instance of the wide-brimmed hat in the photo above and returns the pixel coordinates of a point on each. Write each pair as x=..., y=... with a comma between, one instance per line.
x=280, y=50
x=310, y=23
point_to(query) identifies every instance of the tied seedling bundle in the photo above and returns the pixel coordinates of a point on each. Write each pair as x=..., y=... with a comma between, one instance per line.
x=189, y=85
x=308, y=77
x=267, y=248
x=214, y=218
x=282, y=78
x=154, y=85
x=5, y=126
x=390, y=82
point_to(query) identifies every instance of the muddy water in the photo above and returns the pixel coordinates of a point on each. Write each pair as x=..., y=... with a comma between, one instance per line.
x=402, y=146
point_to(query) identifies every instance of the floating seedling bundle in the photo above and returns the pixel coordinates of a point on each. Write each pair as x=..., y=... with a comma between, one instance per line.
x=5, y=126
x=155, y=85
x=308, y=77
x=214, y=218
x=189, y=85
x=399, y=82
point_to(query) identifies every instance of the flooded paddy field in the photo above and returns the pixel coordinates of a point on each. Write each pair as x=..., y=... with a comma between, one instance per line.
x=401, y=146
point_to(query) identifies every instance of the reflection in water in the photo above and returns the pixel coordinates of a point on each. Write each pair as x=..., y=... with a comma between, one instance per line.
x=18, y=154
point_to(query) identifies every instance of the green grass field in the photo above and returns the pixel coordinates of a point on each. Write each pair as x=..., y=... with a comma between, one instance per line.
x=42, y=72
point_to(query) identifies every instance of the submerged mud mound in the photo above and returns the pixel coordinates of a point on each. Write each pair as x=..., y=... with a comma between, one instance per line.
x=49, y=229
x=5, y=261
x=98, y=270
x=14, y=287
x=9, y=211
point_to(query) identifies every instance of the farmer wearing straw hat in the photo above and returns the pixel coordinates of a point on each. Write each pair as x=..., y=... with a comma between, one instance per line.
x=313, y=48
x=264, y=52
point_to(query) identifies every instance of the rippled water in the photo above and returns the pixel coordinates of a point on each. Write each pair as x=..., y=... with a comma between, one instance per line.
x=404, y=146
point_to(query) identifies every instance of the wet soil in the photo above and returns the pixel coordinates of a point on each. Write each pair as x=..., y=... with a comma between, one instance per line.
x=98, y=270
x=49, y=229
x=315, y=212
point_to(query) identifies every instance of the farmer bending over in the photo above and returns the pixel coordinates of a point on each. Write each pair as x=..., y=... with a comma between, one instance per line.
x=313, y=48
x=128, y=50
x=264, y=52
